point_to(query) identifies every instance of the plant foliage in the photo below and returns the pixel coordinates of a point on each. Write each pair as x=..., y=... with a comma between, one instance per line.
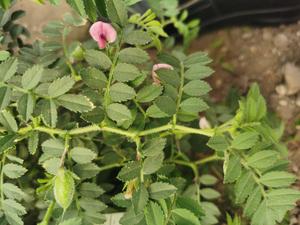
x=86, y=132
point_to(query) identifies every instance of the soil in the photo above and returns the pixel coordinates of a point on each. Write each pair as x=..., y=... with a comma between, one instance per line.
x=242, y=55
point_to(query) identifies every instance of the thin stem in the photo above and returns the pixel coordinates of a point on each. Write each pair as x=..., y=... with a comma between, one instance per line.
x=211, y=158
x=2, y=177
x=110, y=166
x=180, y=92
x=170, y=209
x=190, y=165
x=111, y=73
x=48, y=214
x=189, y=130
x=140, y=108
x=66, y=149
x=155, y=130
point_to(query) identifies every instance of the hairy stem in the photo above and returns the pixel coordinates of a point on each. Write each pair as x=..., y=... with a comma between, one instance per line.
x=48, y=214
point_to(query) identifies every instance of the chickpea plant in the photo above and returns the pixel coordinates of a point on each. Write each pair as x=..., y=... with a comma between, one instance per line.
x=99, y=127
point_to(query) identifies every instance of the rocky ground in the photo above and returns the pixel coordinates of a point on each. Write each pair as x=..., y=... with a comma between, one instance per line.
x=242, y=55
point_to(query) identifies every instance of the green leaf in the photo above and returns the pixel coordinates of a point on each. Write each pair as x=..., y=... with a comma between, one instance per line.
x=13, y=218
x=48, y=112
x=190, y=204
x=140, y=199
x=130, y=217
x=133, y=55
x=232, y=168
x=75, y=103
x=168, y=76
x=184, y=216
x=207, y=179
x=8, y=69
x=60, y=86
x=7, y=142
x=90, y=190
x=253, y=202
x=10, y=205
x=277, y=179
x=119, y=113
x=193, y=105
x=5, y=97
x=198, y=58
x=196, y=88
x=153, y=163
x=244, y=186
x=53, y=147
x=120, y=201
x=154, y=112
x=244, y=140
x=72, y=221
x=126, y=72
x=25, y=106
x=117, y=11
x=263, y=215
x=32, y=77
x=33, y=141
x=95, y=116
x=4, y=54
x=13, y=192
x=149, y=93
x=52, y=165
x=154, y=146
x=218, y=143
x=16, y=159
x=91, y=205
x=197, y=72
x=120, y=92
x=94, y=78
x=78, y=6
x=86, y=171
x=154, y=214
x=209, y=193
x=8, y=121
x=64, y=188
x=160, y=190
x=262, y=159
x=130, y=171
x=166, y=105
x=97, y=59
x=82, y=155
x=14, y=171
x=137, y=37
x=91, y=10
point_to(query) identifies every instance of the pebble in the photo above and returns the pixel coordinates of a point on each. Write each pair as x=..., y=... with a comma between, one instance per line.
x=292, y=78
x=298, y=101
x=281, y=41
x=281, y=90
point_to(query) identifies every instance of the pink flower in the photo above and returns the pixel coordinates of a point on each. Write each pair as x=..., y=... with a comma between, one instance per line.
x=203, y=123
x=157, y=67
x=102, y=33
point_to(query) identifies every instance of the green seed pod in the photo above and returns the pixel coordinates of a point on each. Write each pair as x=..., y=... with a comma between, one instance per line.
x=64, y=188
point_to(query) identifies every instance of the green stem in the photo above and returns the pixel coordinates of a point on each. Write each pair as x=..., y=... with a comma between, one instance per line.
x=66, y=149
x=111, y=73
x=180, y=92
x=214, y=157
x=110, y=166
x=140, y=108
x=48, y=214
x=2, y=177
x=190, y=165
x=189, y=130
x=170, y=209
x=155, y=130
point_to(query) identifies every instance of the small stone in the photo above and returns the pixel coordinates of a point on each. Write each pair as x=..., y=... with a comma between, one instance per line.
x=281, y=41
x=292, y=78
x=267, y=35
x=247, y=35
x=281, y=90
x=298, y=101
x=283, y=103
